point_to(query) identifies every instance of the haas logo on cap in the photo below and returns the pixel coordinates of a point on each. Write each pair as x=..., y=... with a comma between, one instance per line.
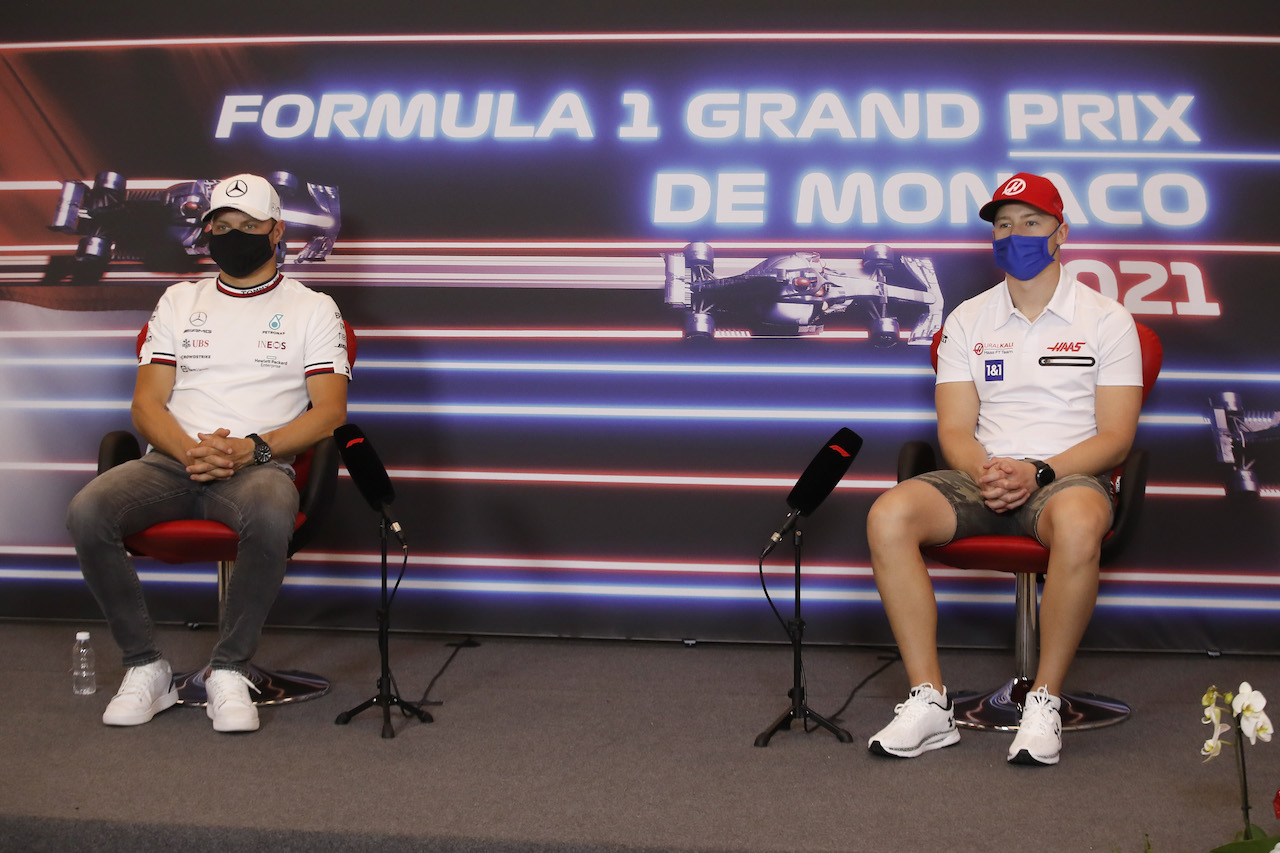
x=1015, y=186
x=237, y=189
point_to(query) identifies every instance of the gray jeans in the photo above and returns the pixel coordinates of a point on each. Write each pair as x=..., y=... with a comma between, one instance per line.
x=260, y=503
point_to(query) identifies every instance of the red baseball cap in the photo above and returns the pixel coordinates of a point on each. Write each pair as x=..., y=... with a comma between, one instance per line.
x=1029, y=189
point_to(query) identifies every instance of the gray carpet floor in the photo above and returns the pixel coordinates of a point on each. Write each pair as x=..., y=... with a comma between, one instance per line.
x=571, y=745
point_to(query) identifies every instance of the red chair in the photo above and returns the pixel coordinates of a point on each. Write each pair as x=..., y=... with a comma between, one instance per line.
x=1000, y=709
x=197, y=540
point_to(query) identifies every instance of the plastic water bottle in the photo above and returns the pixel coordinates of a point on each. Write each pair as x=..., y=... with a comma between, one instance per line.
x=83, y=678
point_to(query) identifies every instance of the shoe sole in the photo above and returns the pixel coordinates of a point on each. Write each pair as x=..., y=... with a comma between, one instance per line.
x=1026, y=759
x=235, y=727
x=162, y=703
x=927, y=745
x=226, y=725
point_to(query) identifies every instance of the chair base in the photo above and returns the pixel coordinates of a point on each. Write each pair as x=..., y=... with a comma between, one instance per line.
x=1001, y=709
x=277, y=687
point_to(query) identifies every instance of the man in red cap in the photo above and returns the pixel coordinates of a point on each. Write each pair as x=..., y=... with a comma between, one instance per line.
x=1038, y=390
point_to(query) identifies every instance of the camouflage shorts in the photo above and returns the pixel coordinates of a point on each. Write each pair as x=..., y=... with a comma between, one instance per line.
x=973, y=518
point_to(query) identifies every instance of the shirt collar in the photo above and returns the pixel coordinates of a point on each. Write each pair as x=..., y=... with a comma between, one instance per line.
x=256, y=290
x=1062, y=305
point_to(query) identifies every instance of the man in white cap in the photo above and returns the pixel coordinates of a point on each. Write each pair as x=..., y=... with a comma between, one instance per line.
x=238, y=374
x=1038, y=390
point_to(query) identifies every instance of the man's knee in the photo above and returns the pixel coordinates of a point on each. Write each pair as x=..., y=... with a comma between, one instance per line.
x=89, y=510
x=267, y=505
x=1077, y=519
x=909, y=513
x=80, y=513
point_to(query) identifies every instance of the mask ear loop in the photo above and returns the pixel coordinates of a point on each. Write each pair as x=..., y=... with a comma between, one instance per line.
x=202, y=239
x=1054, y=253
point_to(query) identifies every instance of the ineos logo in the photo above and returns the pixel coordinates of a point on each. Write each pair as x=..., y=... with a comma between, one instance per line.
x=237, y=189
x=1014, y=187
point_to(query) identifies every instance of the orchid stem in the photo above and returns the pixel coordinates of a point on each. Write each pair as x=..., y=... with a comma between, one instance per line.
x=1244, y=778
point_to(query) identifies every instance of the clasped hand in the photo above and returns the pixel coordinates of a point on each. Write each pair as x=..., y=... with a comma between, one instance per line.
x=218, y=456
x=1006, y=483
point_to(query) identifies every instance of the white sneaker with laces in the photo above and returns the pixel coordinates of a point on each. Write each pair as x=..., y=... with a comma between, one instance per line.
x=925, y=721
x=1039, y=738
x=229, y=705
x=146, y=691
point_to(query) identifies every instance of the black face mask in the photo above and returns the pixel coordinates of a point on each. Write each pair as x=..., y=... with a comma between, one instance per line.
x=239, y=254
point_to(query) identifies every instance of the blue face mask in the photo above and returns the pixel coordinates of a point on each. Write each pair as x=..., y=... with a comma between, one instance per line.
x=1023, y=257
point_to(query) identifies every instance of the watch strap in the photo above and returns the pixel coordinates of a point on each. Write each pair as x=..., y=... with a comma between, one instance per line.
x=261, y=450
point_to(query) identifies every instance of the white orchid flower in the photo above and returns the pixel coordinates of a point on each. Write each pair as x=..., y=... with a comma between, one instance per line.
x=1213, y=746
x=1256, y=727
x=1248, y=700
x=1247, y=705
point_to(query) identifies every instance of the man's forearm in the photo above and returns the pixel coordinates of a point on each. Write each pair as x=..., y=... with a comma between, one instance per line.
x=161, y=430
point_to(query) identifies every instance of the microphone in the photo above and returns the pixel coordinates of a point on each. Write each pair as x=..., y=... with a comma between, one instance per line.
x=369, y=474
x=818, y=480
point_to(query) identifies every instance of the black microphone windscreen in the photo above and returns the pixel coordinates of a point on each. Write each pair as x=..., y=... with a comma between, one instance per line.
x=825, y=471
x=366, y=469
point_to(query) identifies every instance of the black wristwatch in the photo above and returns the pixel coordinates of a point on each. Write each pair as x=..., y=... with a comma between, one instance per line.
x=1044, y=474
x=262, y=450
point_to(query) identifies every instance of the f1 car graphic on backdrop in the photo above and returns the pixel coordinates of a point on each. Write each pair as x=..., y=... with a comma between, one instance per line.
x=794, y=294
x=1244, y=441
x=161, y=227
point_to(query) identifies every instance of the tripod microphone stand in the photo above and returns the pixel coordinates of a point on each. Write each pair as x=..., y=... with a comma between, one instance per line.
x=386, y=697
x=798, y=710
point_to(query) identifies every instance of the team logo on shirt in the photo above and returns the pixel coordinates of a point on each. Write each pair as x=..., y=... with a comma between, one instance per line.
x=1063, y=360
x=1004, y=348
x=199, y=318
x=994, y=371
x=275, y=322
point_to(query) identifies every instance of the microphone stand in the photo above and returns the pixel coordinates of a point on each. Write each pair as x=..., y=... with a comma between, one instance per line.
x=799, y=710
x=385, y=696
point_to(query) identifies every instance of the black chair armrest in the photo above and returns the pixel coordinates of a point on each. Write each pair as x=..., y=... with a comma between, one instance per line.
x=916, y=457
x=116, y=448
x=316, y=495
x=1131, y=488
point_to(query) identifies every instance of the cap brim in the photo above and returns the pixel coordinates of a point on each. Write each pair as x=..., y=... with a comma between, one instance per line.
x=988, y=210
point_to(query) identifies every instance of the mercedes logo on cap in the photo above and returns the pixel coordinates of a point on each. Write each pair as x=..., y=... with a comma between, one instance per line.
x=237, y=189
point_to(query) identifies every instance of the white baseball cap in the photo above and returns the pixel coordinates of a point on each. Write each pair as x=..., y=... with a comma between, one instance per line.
x=248, y=194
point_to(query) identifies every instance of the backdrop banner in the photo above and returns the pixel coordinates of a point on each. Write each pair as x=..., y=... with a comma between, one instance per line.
x=612, y=292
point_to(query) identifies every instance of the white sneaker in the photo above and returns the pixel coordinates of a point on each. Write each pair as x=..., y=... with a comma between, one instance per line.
x=1039, y=738
x=146, y=691
x=925, y=721
x=229, y=705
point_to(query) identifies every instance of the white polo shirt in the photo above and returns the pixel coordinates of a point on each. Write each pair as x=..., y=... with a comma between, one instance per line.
x=1037, y=381
x=243, y=357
